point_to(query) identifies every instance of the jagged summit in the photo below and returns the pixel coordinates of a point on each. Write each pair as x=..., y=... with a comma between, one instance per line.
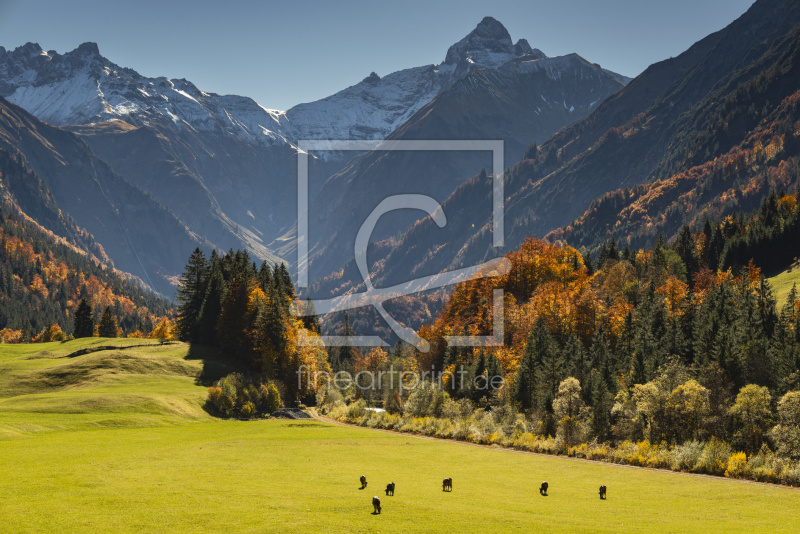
x=371, y=79
x=88, y=48
x=488, y=45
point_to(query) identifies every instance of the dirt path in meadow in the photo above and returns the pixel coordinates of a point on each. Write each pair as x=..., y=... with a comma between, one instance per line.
x=498, y=448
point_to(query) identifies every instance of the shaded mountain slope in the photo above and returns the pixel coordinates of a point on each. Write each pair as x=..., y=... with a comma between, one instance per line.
x=127, y=222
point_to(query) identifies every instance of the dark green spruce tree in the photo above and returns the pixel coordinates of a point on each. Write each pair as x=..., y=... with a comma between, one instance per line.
x=108, y=324
x=191, y=294
x=212, y=304
x=84, y=320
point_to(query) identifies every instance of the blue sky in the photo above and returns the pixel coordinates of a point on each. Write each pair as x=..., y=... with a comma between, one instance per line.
x=284, y=53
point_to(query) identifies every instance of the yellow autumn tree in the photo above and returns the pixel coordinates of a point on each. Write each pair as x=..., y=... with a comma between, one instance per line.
x=164, y=330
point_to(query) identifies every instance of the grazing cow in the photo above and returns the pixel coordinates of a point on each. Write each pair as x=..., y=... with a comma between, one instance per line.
x=376, y=504
x=543, y=488
x=390, y=489
x=363, y=480
x=447, y=484
x=602, y=492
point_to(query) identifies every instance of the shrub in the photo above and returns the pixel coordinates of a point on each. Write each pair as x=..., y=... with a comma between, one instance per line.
x=685, y=457
x=737, y=463
x=53, y=333
x=330, y=397
x=597, y=451
x=456, y=409
x=714, y=458
x=420, y=401
x=791, y=475
x=237, y=396
x=248, y=410
x=272, y=399
x=356, y=410
x=761, y=466
x=624, y=452
x=787, y=433
x=660, y=457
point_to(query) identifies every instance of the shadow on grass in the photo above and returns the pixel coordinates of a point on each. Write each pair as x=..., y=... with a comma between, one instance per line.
x=215, y=365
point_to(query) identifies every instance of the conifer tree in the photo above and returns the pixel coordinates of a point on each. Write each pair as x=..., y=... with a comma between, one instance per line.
x=587, y=261
x=493, y=370
x=191, y=294
x=84, y=320
x=265, y=280
x=602, y=356
x=311, y=320
x=211, y=309
x=273, y=336
x=347, y=354
x=684, y=246
x=526, y=385
x=550, y=371
x=286, y=280
x=479, y=385
x=602, y=402
x=574, y=357
x=108, y=324
x=233, y=319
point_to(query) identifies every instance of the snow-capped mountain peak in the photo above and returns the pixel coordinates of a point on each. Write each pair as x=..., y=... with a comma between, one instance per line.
x=488, y=45
x=376, y=106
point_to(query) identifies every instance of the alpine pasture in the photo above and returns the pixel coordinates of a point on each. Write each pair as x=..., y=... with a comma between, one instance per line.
x=99, y=439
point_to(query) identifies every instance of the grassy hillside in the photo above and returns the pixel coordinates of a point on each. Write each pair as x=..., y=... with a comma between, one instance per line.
x=78, y=385
x=136, y=453
x=783, y=282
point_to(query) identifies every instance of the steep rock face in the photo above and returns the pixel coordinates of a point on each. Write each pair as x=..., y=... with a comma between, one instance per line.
x=525, y=100
x=664, y=125
x=129, y=224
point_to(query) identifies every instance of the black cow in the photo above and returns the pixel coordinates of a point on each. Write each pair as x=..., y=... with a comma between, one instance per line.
x=543, y=488
x=447, y=484
x=602, y=492
x=376, y=504
x=390, y=489
x=363, y=480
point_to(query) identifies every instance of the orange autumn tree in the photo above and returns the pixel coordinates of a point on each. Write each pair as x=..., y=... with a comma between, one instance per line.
x=545, y=280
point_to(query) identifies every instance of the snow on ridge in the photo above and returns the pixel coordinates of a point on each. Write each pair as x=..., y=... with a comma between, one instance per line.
x=82, y=87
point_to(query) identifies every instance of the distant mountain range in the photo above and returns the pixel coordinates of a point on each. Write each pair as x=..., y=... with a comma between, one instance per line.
x=225, y=167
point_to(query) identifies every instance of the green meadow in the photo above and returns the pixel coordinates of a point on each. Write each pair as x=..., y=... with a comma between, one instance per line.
x=116, y=440
x=782, y=283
